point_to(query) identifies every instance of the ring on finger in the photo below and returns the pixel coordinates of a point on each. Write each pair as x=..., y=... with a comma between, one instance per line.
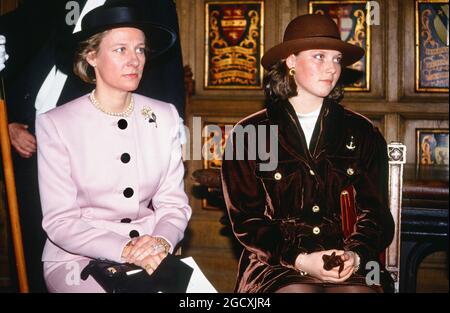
x=143, y=255
x=156, y=248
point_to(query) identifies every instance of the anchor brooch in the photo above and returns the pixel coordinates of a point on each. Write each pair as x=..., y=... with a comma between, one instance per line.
x=351, y=146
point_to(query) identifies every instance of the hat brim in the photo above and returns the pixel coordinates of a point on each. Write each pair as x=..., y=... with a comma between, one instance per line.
x=160, y=38
x=350, y=53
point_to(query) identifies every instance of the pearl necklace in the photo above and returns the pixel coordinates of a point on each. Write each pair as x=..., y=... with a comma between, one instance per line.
x=125, y=113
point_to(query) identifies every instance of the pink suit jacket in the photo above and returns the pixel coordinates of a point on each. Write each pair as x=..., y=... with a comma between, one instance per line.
x=97, y=172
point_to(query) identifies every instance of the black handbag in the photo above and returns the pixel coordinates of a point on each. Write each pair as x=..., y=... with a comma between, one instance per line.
x=171, y=276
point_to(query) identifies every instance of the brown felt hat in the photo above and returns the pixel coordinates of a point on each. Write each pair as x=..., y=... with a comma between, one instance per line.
x=312, y=31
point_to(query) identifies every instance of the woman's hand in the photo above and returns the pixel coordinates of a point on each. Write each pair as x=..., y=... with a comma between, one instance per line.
x=151, y=262
x=313, y=264
x=145, y=251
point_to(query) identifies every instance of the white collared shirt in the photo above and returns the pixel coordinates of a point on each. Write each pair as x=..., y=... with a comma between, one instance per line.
x=308, y=122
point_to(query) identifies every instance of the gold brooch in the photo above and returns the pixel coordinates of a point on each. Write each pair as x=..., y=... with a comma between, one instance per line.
x=150, y=115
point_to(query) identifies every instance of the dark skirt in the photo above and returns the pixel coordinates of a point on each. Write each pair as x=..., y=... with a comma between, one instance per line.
x=258, y=277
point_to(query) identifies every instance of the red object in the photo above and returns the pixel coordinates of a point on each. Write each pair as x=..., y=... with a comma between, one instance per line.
x=348, y=210
x=348, y=214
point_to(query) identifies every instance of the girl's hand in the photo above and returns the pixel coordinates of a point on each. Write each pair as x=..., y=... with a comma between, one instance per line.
x=313, y=265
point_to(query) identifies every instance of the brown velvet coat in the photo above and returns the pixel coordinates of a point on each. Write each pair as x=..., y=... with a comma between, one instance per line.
x=271, y=211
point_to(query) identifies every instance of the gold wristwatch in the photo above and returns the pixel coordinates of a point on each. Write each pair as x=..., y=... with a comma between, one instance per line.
x=163, y=242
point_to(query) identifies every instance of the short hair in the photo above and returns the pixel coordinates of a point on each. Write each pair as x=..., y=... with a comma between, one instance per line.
x=81, y=67
x=279, y=85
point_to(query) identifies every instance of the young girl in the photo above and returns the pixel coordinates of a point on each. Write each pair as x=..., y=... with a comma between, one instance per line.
x=289, y=219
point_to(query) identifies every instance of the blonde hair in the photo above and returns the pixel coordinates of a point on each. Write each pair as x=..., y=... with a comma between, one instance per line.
x=81, y=67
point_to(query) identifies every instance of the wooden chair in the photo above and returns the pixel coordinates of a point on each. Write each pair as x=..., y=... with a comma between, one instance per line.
x=397, y=159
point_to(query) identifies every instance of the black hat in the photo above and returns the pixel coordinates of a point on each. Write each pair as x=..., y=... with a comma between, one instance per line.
x=114, y=14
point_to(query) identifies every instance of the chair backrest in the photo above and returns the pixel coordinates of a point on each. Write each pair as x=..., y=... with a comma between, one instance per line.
x=397, y=158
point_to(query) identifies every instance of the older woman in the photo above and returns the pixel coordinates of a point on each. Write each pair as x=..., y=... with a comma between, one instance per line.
x=289, y=219
x=110, y=167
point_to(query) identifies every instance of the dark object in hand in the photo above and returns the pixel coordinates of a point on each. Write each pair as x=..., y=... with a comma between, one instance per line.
x=171, y=276
x=331, y=261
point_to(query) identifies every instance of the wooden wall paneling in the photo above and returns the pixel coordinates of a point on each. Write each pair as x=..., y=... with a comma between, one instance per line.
x=407, y=16
x=410, y=109
x=378, y=56
x=8, y=5
x=391, y=80
x=409, y=135
x=391, y=127
x=429, y=276
x=377, y=60
x=287, y=11
x=188, y=21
